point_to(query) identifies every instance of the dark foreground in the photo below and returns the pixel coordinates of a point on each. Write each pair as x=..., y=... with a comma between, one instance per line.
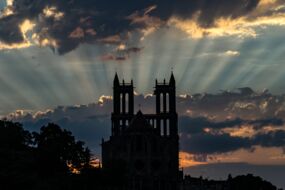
x=47, y=161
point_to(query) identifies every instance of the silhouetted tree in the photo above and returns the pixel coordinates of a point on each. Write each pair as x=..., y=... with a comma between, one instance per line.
x=230, y=177
x=250, y=182
x=16, y=156
x=13, y=136
x=58, y=151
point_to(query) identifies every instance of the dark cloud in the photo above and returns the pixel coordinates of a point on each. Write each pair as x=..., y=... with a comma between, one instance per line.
x=196, y=113
x=244, y=107
x=209, y=10
x=196, y=140
x=201, y=132
x=89, y=123
x=242, y=103
x=207, y=143
x=198, y=124
x=92, y=21
x=270, y=139
x=10, y=32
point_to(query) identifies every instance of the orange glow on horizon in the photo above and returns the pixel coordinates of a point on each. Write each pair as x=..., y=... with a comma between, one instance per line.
x=187, y=160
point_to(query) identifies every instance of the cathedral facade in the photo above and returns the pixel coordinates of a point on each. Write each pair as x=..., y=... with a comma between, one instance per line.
x=144, y=146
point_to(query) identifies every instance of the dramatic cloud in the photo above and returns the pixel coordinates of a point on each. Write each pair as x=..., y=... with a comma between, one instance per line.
x=208, y=133
x=208, y=124
x=64, y=25
x=200, y=124
x=208, y=141
x=243, y=103
x=242, y=23
x=205, y=143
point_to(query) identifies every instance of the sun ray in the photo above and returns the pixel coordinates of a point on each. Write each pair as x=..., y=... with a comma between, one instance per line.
x=191, y=65
x=267, y=64
x=276, y=75
x=156, y=52
x=79, y=69
x=240, y=70
x=198, y=70
x=218, y=65
x=14, y=83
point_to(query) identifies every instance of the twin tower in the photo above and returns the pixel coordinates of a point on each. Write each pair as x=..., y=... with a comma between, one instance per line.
x=144, y=146
x=165, y=119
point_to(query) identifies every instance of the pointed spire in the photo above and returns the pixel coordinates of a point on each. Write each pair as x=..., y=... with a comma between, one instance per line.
x=172, y=79
x=139, y=113
x=116, y=80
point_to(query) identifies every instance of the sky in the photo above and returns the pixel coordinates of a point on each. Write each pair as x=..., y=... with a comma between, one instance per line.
x=58, y=60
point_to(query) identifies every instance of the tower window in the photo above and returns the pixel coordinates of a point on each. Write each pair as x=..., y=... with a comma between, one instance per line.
x=127, y=102
x=121, y=103
x=167, y=127
x=161, y=128
x=167, y=102
x=161, y=102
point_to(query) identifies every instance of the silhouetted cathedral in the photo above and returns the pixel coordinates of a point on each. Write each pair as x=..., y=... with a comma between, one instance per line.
x=144, y=146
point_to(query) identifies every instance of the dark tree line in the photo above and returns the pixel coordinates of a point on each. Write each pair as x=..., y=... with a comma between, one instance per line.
x=33, y=159
x=59, y=151
x=47, y=161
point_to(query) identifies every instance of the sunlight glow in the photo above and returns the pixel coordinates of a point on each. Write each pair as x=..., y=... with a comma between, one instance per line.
x=257, y=155
x=188, y=160
x=203, y=60
x=53, y=12
x=9, y=2
x=267, y=13
x=25, y=27
x=7, y=11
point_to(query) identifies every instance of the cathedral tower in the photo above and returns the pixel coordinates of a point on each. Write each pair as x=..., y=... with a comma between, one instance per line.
x=145, y=146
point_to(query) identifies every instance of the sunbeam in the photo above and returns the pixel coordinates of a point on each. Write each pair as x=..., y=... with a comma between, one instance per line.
x=222, y=104
x=187, y=73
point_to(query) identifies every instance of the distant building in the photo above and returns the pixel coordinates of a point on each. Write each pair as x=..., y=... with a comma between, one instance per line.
x=243, y=182
x=144, y=146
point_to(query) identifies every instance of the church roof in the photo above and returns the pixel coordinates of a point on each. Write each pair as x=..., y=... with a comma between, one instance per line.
x=139, y=123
